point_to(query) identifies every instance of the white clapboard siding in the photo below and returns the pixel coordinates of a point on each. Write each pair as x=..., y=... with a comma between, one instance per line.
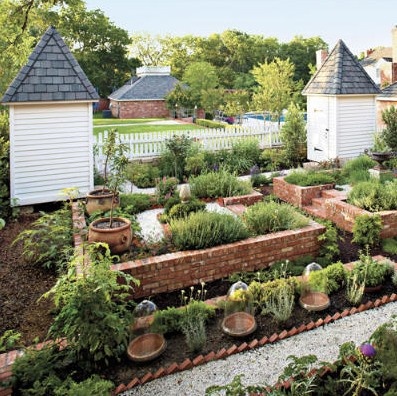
x=356, y=125
x=151, y=144
x=50, y=149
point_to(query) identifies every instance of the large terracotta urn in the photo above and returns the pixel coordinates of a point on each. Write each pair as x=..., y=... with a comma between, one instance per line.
x=118, y=237
x=100, y=200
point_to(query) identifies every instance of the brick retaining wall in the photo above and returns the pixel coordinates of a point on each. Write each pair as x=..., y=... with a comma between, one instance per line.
x=178, y=270
x=297, y=195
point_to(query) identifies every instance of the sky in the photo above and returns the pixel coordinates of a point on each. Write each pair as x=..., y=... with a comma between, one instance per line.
x=361, y=24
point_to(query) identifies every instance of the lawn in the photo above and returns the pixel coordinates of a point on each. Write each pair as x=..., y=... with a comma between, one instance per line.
x=138, y=125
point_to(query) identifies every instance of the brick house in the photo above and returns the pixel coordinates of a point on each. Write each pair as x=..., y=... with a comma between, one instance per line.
x=144, y=95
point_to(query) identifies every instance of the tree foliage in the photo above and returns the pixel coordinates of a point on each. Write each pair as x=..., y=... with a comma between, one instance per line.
x=276, y=86
x=389, y=117
x=293, y=136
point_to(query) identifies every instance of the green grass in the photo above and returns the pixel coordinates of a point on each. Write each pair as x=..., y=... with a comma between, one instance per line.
x=137, y=125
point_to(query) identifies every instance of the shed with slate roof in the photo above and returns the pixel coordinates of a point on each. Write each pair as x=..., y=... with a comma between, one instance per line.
x=341, y=108
x=144, y=95
x=50, y=103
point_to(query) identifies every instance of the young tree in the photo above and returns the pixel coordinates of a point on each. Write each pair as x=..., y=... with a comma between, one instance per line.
x=389, y=117
x=276, y=86
x=293, y=136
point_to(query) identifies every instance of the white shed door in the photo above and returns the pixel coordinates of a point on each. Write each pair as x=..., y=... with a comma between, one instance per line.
x=318, y=129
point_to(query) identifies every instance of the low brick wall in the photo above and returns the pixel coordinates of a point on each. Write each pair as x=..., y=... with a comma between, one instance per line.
x=343, y=215
x=246, y=200
x=297, y=195
x=178, y=270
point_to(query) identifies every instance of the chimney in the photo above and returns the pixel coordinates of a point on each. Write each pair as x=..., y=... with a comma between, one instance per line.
x=321, y=56
x=368, y=52
x=394, y=54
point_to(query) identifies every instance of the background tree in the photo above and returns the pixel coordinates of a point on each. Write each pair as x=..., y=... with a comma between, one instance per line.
x=276, y=86
x=147, y=48
x=100, y=47
x=293, y=136
x=200, y=77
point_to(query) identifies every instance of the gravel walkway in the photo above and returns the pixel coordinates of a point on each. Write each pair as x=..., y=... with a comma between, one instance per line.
x=263, y=365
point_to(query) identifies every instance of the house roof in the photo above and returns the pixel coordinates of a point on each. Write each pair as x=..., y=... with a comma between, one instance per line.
x=146, y=87
x=341, y=74
x=389, y=92
x=51, y=74
x=379, y=53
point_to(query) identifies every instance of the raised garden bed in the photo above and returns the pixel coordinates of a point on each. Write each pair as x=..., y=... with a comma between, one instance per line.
x=178, y=270
x=343, y=215
x=297, y=195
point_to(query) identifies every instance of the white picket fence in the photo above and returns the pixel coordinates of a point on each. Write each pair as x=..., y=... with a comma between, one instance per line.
x=151, y=144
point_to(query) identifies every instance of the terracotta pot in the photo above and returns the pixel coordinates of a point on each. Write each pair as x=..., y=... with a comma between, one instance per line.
x=146, y=347
x=100, y=200
x=118, y=237
x=239, y=324
x=314, y=301
x=373, y=289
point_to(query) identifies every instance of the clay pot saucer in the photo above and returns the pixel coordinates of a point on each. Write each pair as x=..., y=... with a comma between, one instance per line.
x=146, y=347
x=239, y=324
x=314, y=301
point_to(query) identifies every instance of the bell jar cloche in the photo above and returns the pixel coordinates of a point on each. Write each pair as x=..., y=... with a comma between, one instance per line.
x=146, y=345
x=239, y=319
x=314, y=295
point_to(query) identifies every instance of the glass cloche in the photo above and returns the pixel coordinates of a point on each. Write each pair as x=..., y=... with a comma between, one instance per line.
x=314, y=295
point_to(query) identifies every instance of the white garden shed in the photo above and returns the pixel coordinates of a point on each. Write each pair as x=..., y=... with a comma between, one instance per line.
x=341, y=108
x=50, y=102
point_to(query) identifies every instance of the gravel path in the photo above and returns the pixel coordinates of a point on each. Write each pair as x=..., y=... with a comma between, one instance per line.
x=264, y=364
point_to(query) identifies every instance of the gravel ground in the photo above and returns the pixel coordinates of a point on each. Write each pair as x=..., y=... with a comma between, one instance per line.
x=263, y=365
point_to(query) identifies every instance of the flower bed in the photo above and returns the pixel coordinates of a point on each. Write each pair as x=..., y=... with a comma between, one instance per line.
x=177, y=270
x=297, y=195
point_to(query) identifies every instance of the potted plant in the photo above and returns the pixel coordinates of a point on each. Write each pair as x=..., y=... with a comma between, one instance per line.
x=103, y=199
x=115, y=231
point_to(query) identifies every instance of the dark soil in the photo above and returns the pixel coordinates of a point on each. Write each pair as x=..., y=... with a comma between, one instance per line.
x=22, y=310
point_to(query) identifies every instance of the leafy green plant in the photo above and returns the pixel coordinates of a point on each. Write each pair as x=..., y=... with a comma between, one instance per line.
x=206, y=229
x=244, y=155
x=360, y=373
x=293, y=135
x=5, y=210
x=218, y=184
x=173, y=159
x=49, y=242
x=369, y=271
x=389, y=117
x=366, y=229
x=165, y=189
x=394, y=278
x=281, y=303
x=142, y=175
x=9, y=340
x=389, y=245
x=92, y=305
x=329, y=243
x=374, y=195
x=266, y=217
x=354, y=289
x=94, y=385
x=273, y=159
x=356, y=170
x=263, y=292
x=183, y=210
x=305, y=178
x=135, y=203
x=385, y=339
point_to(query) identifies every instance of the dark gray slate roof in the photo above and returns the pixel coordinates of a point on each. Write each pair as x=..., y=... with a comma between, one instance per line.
x=51, y=74
x=145, y=88
x=389, y=92
x=341, y=74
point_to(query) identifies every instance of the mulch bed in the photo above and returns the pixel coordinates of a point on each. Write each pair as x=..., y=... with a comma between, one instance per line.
x=22, y=285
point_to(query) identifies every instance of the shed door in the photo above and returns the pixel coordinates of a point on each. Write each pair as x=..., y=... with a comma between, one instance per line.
x=318, y=130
